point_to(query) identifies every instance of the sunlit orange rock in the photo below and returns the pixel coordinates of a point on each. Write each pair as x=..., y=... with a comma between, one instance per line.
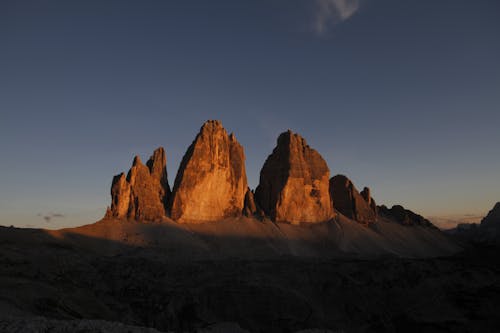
x=144, y=192
x=211, y=182
x=294, y=183
x=349, y=202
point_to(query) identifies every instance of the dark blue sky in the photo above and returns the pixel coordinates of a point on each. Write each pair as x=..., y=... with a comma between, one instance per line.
x=401, y=96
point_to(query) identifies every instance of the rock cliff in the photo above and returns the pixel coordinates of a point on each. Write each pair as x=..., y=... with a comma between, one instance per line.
x=293, y=183
x=349, y=202
x=144, y=192
x=211, y=182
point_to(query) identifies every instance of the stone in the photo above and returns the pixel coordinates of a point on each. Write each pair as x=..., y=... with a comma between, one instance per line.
x=143, y=194
x=404, y=216
x=492, y=220
x=349, y=202
x=294, y=184
x=211, y=183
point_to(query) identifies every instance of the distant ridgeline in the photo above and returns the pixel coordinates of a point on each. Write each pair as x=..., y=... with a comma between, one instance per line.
x=211, y=184
x=488, y=231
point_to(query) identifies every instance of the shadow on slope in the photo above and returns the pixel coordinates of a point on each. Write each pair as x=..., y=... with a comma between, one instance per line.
x=71, y=275
x=247, y=238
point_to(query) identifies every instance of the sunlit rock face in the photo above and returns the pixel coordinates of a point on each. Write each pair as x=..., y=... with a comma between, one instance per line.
x=144, y=192
x=349, y=202
x=211, y=182
x=294, y=184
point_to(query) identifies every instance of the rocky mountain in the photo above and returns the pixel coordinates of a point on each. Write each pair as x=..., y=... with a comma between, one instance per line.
x=486, y=233
x=349, y=202
x=294, y=184
x=404, y=216
x=492, y=219
x=215, y=256
x=211, y=183
x=143, y=194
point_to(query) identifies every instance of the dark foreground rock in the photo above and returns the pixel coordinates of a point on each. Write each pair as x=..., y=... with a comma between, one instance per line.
x=45, y=276
x=42, y=324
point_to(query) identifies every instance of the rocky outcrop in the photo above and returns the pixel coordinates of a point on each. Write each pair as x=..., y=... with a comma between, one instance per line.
x=366, y=194
x=403, y=216
x=293, y=183
x=211, y=182
x=144, y=192
x=250, y=208
x=349, y=202
x=492, y=220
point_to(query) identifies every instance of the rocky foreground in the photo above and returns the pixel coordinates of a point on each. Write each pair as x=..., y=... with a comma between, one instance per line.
x=124, y=281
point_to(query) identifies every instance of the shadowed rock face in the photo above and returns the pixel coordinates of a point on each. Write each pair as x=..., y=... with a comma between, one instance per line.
x=349, y=202
x=492, y=220
x=404, y=216
x=211, y=182
x=366, y=194
x=250, y=208
x=294, y=183
x=143, y=194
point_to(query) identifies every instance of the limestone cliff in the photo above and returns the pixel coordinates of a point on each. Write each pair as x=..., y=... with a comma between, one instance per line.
x=293, y=183
x=144, y=192
x=211, y=182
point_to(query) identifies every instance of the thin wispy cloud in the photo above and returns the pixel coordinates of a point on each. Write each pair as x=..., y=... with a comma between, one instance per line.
x=332, y=12
x=48, y=217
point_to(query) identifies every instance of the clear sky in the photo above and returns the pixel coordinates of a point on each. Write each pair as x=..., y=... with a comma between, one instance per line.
x=401, y=96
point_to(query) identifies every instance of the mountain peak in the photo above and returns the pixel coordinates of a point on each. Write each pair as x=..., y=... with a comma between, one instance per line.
x=492, y=219
x=293, y=183
x=211, y=182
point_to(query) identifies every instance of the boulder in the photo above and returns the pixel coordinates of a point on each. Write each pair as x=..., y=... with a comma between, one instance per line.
x=143, y=194
x=211, y=182
x=349, y=202
x=293, y=183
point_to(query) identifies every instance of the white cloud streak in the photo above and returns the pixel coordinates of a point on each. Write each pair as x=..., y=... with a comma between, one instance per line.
x=331, y=12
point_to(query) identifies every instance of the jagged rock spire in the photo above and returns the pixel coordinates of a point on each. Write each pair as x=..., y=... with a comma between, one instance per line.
x=144, y=193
